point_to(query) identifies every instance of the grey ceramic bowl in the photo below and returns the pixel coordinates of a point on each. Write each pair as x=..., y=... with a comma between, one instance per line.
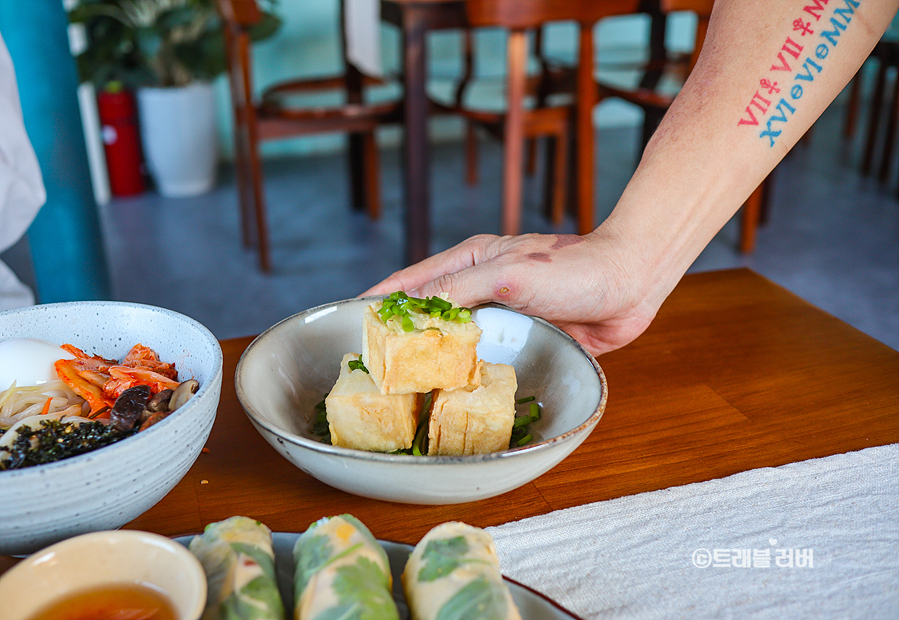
x=287, y=370
x=109, y=487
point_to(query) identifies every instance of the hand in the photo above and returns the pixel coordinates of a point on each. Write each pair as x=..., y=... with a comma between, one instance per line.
x=577, y=283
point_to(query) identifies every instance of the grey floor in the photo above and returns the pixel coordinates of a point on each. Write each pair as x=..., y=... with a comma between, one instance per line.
x=832, y=237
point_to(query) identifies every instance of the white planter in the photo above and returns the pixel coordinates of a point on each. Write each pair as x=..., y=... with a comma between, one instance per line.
x=180, y=138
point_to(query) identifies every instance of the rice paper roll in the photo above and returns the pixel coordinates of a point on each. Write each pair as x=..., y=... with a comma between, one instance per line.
x=454, y=574
x=239, y=561
x=342, y=572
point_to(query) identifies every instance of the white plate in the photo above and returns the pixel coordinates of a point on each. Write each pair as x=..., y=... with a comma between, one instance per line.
x=531, y=604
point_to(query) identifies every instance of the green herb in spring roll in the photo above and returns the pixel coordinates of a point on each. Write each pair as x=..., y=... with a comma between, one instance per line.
x=454, y=574
x=239, y=562
x=342, y=573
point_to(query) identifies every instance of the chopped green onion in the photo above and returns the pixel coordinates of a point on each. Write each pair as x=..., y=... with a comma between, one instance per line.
x=358, y=365
x=439, y=303
x=521, y=421
x=521, y=425
x=420, y=436
x=320, y=426
x=400, y=305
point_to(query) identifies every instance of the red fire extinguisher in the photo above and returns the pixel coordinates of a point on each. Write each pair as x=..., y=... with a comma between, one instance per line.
x=121, y=141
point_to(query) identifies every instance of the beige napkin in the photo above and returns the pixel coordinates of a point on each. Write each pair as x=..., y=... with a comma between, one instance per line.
x=816, y=539
x=362, y=19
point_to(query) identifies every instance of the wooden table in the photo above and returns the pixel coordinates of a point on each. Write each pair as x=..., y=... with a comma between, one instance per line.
x=734, y=374
x=415, y=18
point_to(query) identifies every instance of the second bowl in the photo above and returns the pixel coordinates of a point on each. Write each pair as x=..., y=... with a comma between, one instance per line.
x=289, y=368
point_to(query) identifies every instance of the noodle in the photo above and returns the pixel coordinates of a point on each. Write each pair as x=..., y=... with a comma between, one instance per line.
x=18, y=403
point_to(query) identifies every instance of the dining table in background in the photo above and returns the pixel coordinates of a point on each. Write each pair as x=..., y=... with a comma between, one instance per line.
x=735, y=374
x=415, y=18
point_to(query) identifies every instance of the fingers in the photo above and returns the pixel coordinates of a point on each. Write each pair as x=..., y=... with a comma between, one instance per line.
x=418, y=276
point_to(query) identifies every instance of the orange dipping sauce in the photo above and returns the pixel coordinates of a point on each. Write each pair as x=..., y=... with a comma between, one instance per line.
x=127, y=601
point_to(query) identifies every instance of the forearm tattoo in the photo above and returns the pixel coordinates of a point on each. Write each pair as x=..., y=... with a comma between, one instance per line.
x=802, y=57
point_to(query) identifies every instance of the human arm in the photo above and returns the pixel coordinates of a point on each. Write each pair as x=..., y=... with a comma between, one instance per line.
x=767, y=71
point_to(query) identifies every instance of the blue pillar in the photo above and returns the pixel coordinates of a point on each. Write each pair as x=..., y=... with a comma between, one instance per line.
x=65, y=238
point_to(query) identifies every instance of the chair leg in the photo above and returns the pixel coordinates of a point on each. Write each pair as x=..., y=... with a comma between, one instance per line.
x=244, y=183
x=261, y=222
x=371, y=174
x=471, y=154
x=852, y=107
x=356, y=166
x=874, y=120
x=513, y=134
x=531, y=146
x=557, y=198
x=751, y=213
x=584, y=131
x=889, y=140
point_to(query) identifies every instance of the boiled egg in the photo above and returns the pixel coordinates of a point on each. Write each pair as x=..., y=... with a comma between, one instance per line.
x=29, y=361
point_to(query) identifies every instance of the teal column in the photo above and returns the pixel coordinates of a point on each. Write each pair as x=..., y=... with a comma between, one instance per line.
x=65, y=238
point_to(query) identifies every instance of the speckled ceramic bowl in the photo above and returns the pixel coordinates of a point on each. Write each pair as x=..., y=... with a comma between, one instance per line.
x=100, y=559
x=109, y=487
x=287, y=370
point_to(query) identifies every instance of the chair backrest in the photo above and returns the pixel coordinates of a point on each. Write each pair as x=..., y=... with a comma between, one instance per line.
x=702, y=9
x=523, y=14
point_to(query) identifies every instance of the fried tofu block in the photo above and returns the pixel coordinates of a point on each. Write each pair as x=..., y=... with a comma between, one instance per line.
x=437, y=354
x=475, y=419
x=362, y=418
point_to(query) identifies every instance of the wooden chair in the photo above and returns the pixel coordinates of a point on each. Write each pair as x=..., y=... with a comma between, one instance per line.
x=276, y=113
x=886, y=55
x=653, y=85
x=527, y=112
x=553, y=122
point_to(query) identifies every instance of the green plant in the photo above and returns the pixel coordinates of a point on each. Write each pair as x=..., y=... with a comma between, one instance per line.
x=156, y=42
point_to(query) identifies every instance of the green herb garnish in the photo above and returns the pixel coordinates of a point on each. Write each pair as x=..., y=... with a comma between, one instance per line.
x=521, y=435
x=320, y=426
x=358, y=365
x=402, y=307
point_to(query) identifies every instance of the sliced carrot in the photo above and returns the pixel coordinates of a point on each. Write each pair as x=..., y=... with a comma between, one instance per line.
x=46, y=408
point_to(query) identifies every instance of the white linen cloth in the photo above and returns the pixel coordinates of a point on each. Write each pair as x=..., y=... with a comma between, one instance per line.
x=21, y=185
x=362, y=33
x=633, y=557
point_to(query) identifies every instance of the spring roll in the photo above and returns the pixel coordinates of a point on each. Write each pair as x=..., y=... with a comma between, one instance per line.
x=342, y=572
x=454, y=574
x=239, y=562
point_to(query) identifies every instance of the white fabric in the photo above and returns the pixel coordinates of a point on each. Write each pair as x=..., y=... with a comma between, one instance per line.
x=21, y=186
x=632, y=557
x=362, y=19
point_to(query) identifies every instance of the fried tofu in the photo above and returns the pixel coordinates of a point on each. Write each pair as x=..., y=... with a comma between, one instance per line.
x=363, y=418
x=437, y=354
x=476, y=419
